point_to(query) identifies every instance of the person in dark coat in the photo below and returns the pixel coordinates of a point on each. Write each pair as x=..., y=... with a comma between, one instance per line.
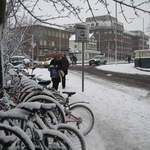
x=64, y=68
x=74, y=59
x=54, y=68
x=129, y=59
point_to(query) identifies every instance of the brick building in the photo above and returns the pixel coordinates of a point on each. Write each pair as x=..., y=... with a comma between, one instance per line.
x=139, y=40
x=46, y=40
x=111, y=37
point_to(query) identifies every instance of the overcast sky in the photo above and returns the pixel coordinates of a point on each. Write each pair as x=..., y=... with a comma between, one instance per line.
x=101, y=10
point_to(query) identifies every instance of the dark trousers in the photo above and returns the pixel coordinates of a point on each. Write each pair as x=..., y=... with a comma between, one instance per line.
x=64, y=81
x=55, y=83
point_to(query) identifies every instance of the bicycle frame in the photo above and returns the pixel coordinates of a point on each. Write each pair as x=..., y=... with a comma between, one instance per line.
x=70, y=115
x=74, y=118
x=79, y=102
x=14, y=95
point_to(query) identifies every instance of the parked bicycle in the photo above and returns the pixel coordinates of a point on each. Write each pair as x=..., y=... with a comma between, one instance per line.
x=78, y=113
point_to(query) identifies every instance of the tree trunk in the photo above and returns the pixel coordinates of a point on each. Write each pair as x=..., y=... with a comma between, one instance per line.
x=2, y=22
x=1, y=61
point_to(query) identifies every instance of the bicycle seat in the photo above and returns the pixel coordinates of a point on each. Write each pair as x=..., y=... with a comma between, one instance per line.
x=31, y=75
x=69, y=93
x=44, y=82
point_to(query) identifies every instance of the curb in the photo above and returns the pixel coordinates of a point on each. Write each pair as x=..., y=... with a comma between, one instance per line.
x=142, y=69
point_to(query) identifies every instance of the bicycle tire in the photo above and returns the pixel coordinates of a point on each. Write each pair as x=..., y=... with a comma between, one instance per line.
x=57, y=139
x=87, y=118
x=59, y=112
x=74, y=135
x=38, y=92
x=20, y=134
x=59, y=97
x=23, y=92
x=33, y=137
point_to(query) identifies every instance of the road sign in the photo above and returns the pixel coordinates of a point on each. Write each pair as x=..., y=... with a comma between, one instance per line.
x=82, y=33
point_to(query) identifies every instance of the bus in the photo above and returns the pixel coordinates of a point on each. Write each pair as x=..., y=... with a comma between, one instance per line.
x=142, y=58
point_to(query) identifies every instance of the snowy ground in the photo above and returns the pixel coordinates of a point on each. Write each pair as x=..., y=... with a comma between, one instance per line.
x=122, y=113
x=124, y=68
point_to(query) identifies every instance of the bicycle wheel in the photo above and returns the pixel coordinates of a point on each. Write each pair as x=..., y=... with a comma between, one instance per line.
x=56, y=140
x=25, y=91
x=59, y=113
x=74, y=135
x=33, y=136
x=59, y=97
x=82, y=118
x=15, y=138
x=38, y=92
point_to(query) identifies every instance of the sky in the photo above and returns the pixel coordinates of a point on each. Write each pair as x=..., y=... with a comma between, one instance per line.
x=121, y=112
x=143, y=20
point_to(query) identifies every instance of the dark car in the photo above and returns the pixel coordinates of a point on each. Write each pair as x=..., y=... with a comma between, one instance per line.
x=97, y=60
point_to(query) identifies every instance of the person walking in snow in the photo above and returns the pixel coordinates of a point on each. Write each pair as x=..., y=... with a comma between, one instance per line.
x=54, y=68
x=64, y=68
x=74, y=59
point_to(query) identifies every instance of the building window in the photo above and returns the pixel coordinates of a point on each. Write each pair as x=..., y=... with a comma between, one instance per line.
x=52, y=33
x=41, y=52
x=56, y=34
x=45, y=42
x=59, y=34
x=53, y=43
x=49, y=33
x=63, y=35
x=41, y=42
x=92, y=25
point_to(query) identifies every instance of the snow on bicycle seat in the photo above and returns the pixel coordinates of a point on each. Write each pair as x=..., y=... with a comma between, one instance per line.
x=35, y=106
x=69, y=93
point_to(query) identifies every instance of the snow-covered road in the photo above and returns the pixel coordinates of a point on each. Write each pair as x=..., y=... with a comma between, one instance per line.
x=122, y=114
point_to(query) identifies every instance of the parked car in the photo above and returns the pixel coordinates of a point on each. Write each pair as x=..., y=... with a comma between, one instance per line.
x=17, y=60
x=97, y=60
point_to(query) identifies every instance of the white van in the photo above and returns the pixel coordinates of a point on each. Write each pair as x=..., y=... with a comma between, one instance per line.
x=97, y=60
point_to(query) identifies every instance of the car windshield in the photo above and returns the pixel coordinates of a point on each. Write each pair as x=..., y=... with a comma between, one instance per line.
x=98, y=57
x=15, y=60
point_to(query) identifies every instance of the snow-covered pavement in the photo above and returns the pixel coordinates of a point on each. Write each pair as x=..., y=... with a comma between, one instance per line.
x=122, y=114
